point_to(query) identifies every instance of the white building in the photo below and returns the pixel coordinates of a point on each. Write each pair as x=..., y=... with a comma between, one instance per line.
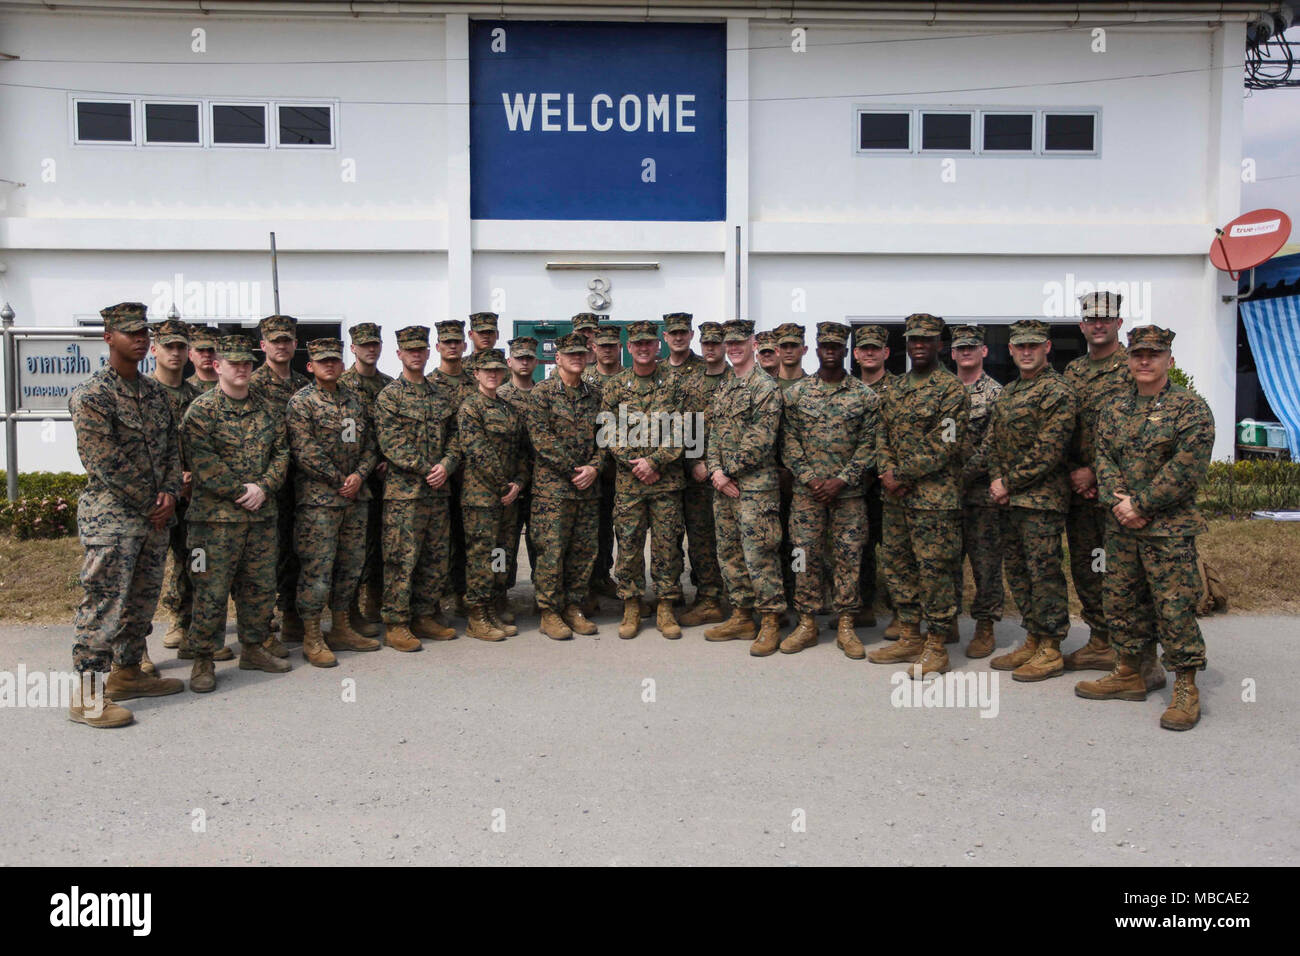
x=1120, y=125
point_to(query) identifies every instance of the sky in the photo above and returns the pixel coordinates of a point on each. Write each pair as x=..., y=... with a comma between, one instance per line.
x=1272, y=138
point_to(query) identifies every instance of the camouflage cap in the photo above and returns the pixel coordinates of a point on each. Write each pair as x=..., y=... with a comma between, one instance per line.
x=710, y=332
x=169, y=331
x=677, y=321
x=413, y=337
x=318, y=349
x=790, y=333
x=765, y=340
x=203, y=337
x=585, y=320
x=1150, y=337
x=235, y=348
x=125, y=317
x=1030, y=332
x=488, y=359
x=963, y=335
x=867, y=336
x=481, y=322
x=450, y=331
x=642, y=331
x=1100, y=305
x=364, y=333
x=922, y=325
x=525, y=346
x=737, y=330
x=275, y=327
x=833, y=333
x=575, y=343
x=607, y=335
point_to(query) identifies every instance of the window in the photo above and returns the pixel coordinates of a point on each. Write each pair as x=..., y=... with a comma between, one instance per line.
x=305, y=125
x=946, y=131
x=104, y=122
x=890, y=131
x=171, y=124
x=239, y=124
x=1069, y=132
x=1008, y=132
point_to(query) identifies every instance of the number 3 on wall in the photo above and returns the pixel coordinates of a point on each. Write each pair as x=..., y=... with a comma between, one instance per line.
x=599, y=300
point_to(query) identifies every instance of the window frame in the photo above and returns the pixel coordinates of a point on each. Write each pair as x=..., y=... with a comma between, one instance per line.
x=913, y=136
x=146, y=102
x=1095, y=113
x=921, y=113
x=1034, y=140
x=331, y=105
x=74, y=125
x=211, y=105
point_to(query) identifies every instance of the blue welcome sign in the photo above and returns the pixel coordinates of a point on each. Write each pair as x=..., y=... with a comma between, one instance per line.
x=580, y=120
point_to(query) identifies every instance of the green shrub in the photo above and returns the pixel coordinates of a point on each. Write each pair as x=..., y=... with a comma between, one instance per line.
x=1236, y=488
x=44, y=484
x=52, y=516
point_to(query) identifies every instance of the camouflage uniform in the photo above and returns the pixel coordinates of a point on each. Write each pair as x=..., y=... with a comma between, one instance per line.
x=178, y=591
x=1028, y=433
x=744, y=420
x=561, y=422
x=415, y=426
x=697, y=498
x=872, y=335
x=981, y=533
x=268, y=387
x=604, y=562
x=829, y=432
x=491, y=439
x=454, y=389
x=922, y=426
x=331, y=437
x=520, y=512
x=1157, y=449
x=228, y=443
x=788, y=333
x=126, y=439
x=367, y=388
x=638, y=506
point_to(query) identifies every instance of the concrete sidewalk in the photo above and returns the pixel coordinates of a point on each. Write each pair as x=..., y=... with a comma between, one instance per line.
x=556, y=743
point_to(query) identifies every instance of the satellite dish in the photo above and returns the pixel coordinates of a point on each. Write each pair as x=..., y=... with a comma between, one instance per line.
x=1248, y=240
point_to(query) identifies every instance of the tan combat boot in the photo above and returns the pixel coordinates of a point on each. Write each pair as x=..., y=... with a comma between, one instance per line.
x=343, y=637
x=577, y=621
x=147, y=665
x=1122, y=683
x=804, y=635
x=225, y=654
x=254, y=657
x=894, y=628
x=934, y=655
x=400, y=638
x=847, y=639
x=125, y=683
x=666, y=621
x=631, y=622
x=95, y=709
x=427, y=628
x=313, y=644
x=1153, y=674
x=740, y=626
x=175, y=633
x=981, y=645
x=706, y=610
x=1185, y=709
x=203, y=676
x=292, y=627
x=1046, y=662
x=908, y=648
x=554, y=627
x=1096, y=655
x=1013, y=659
x=490, y=613
x=481, y=626
x=358, y=622
x=769, y=635
x=275, y=648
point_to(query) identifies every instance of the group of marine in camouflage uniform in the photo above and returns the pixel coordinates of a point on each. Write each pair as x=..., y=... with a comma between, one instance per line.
x=403, y=500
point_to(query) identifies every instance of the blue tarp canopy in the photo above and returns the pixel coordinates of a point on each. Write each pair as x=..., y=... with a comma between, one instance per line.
x=1273, y=330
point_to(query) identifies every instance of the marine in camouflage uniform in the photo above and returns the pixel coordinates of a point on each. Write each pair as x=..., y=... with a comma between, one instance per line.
x=491, y=438
x=455, y=384
x=768, y=360
x=367, y=388
x=1028, y=436
x=519, y=512
x=789, y=338
x=266, y=385
x=873, y=337
x=829, y=445
x=634, y=401
x=415, y=427
x=981, y=532
x=604, y=563
x=230, y=443
x=1153, y=450
x=744, y=422
x=332, y=441
x=561, y=422
x=126, y=438
x=202, y=339
x=923, y=421
x=1099, y=383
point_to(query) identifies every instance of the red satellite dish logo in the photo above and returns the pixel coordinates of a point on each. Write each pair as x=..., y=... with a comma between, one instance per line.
x=1250, y=239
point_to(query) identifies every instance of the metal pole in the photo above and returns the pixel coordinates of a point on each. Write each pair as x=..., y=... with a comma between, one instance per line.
x=275, y=275
x=11, y=405
x=738, y=315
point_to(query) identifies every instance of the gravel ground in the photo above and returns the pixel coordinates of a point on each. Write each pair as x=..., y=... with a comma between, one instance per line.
x=532, y=751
